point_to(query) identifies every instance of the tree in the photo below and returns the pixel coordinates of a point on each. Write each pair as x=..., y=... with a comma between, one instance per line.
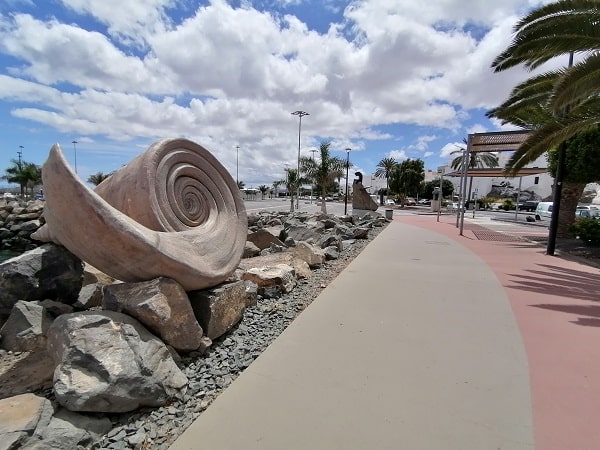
x=98, y=178
x=292, y=183
x=324, y=172
x=407, y=176
x=25, y=174
x=263, y=190
x=426, y=188
x=476, y=160
x=563, y=102
x=385, y=168
x=582, y=166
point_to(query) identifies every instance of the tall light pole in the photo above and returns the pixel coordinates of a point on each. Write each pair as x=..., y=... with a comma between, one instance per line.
x=300, y=114
x=347, y=167
x=311, y=183
x=20, y=152
x=75, y=151
x=237, y=164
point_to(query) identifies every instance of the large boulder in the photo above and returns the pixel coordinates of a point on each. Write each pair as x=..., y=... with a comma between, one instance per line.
x=108, y=362
x=162, y=306
x=26, y=327
x=47, y=272
x=220, y=308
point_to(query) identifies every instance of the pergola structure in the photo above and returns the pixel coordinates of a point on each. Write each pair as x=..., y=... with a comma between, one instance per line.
x=499, y=141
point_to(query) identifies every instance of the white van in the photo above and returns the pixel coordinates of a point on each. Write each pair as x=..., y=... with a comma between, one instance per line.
x=544, y=209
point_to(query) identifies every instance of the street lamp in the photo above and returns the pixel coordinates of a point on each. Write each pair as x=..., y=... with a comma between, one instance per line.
x=347, y=167
x=237, y=164
x=20, y=152
x=75, y=151
x=300, y=114
x=311, y=183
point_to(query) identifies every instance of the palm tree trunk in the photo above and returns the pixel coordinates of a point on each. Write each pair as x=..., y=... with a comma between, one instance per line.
x=323, y=202
x=570, y=195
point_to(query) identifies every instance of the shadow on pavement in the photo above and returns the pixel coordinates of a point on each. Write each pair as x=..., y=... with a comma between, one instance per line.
x=591, y=313
x=559, y=281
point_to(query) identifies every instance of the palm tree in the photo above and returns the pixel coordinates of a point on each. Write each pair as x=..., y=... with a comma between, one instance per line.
x=324, y=172
x=385, y=168
x=26, y=175
x=568, y=98
x=263, y=190
x=477, y=160
x=292, y=183
x=98, y=178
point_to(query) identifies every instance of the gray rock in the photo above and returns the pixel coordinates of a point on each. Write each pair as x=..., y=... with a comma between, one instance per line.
x=26, y=327
x=90, y=296
x=361, y=233
x=331, y=253
x=162, y=306
x=220, y=308
x=108, y=362
x=67, y=430
x=250, y=250
x=251, y=293
x=268, y=276
x=23, y=416
x=309, y=253
x=50, y=271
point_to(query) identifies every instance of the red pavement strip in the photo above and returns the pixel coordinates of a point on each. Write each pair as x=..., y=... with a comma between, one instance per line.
x=556, y=303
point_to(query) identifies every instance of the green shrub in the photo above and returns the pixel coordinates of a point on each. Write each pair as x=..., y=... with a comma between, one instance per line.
x=587, y=230
x=508, y=204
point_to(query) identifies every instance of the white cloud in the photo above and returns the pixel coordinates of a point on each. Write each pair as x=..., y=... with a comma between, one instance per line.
x=228, y=76
x=130, y=21
x=398, y=155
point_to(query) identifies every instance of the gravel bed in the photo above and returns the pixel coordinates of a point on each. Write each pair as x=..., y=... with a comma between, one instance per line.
x=211, y=373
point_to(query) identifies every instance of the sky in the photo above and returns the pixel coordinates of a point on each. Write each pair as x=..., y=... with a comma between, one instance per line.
x=384, y=78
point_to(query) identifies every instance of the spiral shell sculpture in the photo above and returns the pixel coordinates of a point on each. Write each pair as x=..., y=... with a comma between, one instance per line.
x=173, y=211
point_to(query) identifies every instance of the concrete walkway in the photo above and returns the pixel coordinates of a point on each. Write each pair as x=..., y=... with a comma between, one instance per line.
x=416, y=345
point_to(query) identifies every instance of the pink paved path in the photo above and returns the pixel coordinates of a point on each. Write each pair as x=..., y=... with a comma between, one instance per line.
x=556, y=303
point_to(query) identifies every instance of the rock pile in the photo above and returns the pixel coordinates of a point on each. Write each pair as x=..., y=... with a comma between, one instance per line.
x=18, y=220
x=111, y=348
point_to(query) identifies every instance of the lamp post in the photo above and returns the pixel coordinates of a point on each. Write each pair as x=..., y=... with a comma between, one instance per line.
x=75, y=151
x=19, y=153
x=237, y=164
x=300, y=114
x=347, y=167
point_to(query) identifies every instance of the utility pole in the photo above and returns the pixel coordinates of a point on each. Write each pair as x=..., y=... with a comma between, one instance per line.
x=300, y=114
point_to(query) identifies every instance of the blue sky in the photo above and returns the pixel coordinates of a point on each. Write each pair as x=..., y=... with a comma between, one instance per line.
x=386, y=78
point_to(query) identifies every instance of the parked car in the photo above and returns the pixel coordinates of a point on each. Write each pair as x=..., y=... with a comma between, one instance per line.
x=543, y=209
x=390, y=202
x=409, y=201
x=583, y=213
x=529, y=206
x=587, y=211
x=9, y=196
x=424, y=202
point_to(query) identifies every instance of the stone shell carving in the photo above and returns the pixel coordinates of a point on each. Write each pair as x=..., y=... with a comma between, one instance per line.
x=174, y=211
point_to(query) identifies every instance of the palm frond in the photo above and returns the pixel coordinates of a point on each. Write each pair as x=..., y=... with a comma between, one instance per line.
x=550, y=31
x=577, y=83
